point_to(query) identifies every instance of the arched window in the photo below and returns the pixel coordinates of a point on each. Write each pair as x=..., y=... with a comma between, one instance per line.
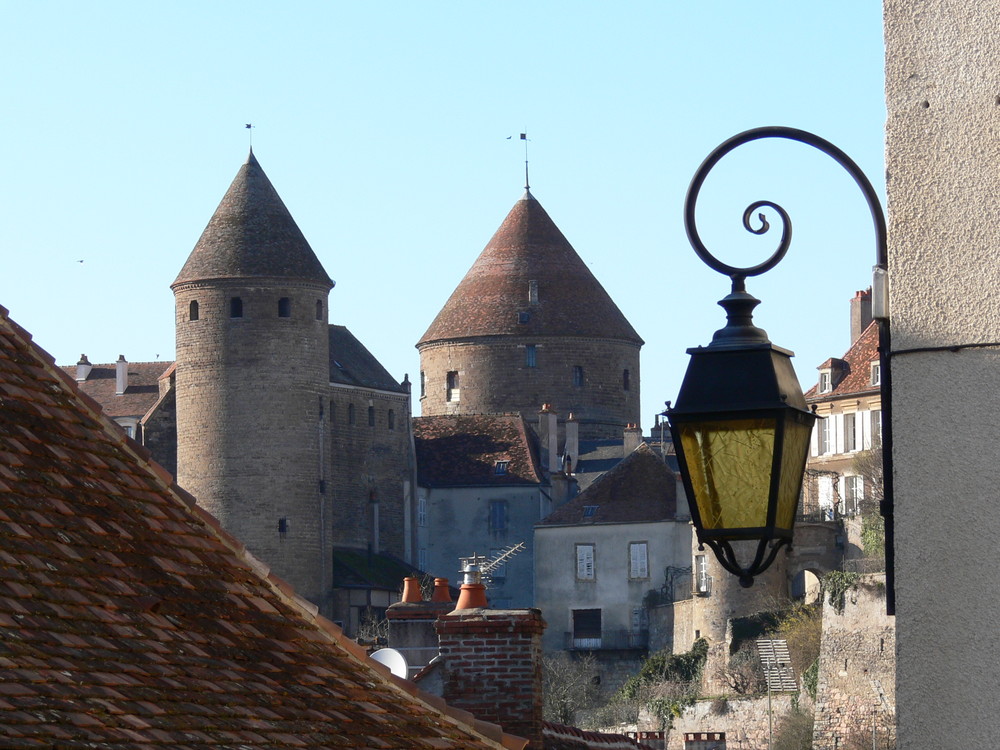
x=350, y=413
x=284, y=308
x=193, y=310
x=392, y=419
x=319, y=309
x=235, y=307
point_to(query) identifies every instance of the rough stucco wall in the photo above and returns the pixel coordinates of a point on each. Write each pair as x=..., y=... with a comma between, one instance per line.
x=942, y=151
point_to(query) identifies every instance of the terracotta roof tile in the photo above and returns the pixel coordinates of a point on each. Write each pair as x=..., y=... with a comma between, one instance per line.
x=855, y=369
x=463, y=450
x=493, y=298
x=130, y=620
x=640, y=488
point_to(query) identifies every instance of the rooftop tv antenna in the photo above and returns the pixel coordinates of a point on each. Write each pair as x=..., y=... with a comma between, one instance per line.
x=477, y=568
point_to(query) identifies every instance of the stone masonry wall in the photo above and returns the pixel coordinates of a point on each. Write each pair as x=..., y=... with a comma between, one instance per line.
x=856, y=693
x=494, y=377
x=250, y=417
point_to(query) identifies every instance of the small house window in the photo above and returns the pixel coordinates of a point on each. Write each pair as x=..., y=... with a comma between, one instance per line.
x=498, y=515
x=282, y=527
x=523, y=318
x=850, y=433
x=876, y=373
x=284, y=308
x=824, y=442
x=422, y=515
x=530, y=355
x=638, y=554
x=235, y=307
x=825, y=381
x=589, y=511
x=501, y=467
x=577, y=375
x=193, y=310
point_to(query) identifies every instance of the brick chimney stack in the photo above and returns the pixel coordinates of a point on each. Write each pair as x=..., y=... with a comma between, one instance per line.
x=121, y=375
x=861, y=313
x=411, y=623
x=632, y=436
x=493, y=667
x=548, y=437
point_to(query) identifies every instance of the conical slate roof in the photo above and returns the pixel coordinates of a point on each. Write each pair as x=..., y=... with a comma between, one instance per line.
x=493, y=298
x=252, y=234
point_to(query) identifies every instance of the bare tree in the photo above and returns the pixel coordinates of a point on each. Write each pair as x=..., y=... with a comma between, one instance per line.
x=571, y=684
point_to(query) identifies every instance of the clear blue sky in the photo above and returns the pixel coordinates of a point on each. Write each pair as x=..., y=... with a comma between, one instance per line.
x=383, y=126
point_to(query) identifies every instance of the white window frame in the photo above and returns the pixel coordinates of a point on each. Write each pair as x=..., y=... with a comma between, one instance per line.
x=421, y=511
x=825, y=381
x=851, y=442
x=876, y=370
x=854, y=494
x=824, y=436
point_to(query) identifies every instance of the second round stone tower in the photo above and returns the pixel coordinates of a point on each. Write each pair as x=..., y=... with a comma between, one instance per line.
x=252, y=370
x=531, y=325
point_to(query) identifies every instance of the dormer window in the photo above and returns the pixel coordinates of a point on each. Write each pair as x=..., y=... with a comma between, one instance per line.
x=876, y=373
x=825, y=381
x=589, y=511
x=501, y=467
x=523, y=318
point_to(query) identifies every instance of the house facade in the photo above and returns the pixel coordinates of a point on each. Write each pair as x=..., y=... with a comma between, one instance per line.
x=848, y=401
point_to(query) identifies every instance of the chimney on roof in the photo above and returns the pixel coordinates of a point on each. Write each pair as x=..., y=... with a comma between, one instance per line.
x=121, y=375
x=411, y=626
x=473, y=592
x=571, y=450
x=631, y=438
x=411, y=590
x=548, y=436
x=501, y=682
x=83, y=368
x=861, y=313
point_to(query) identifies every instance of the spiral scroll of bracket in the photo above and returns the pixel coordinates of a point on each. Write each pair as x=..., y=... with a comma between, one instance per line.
x=736, y=273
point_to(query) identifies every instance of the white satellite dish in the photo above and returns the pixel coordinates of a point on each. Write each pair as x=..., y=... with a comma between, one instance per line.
x=391, y=658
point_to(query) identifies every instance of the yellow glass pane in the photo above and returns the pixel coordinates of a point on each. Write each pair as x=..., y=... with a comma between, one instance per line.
x=729, y=463
x=797, y=433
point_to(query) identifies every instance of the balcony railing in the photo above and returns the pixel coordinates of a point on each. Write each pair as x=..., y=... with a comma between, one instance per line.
x=608, y=640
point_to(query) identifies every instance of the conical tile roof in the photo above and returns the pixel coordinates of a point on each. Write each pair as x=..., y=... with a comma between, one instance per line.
x=493, y=298
x=252, y=234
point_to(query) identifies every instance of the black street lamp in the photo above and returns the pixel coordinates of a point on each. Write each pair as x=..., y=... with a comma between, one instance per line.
x=740, y=426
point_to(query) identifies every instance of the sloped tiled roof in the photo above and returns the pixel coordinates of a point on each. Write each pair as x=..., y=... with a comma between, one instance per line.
x=252, y=234
x=463, y=450
x=352, y=364
x=855, y=367
x=600, y=456
x=528, y=246
x=129, y=619
x=562, y=737
x=640, y=488
x=143, y=390
x=370, y=570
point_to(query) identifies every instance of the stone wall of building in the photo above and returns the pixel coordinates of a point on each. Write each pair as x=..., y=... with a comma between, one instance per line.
x=251, y=396
x=494, y=377
x=371, y=468
x=159, y=432
x=856, y=692
x=744, y=720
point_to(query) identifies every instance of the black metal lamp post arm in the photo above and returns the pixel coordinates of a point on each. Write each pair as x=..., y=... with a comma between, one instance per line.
x=738, y=276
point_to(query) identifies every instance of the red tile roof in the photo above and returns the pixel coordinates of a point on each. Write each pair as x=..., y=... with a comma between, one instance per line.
x=252, y=234
x=855, y=368
x=492, y=299
x=129, y=619
x=561, y=737
x=143, y=387
x=463, y=450
x=640, y=488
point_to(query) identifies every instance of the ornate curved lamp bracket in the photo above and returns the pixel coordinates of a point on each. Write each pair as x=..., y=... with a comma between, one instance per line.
x=737, y=274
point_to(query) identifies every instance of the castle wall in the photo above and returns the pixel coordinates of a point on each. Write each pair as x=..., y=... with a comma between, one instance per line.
x=371, y=462
x=494, y=377
x=856, y=692
x=259, y=376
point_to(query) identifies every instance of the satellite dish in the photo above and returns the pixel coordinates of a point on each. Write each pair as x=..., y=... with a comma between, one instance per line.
x=391, y=658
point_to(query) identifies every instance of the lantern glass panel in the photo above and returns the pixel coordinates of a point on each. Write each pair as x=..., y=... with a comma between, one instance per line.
x=729, y=463
x=798, y=429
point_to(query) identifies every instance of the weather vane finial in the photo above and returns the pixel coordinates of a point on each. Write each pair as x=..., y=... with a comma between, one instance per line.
x=250, y=128
x=524, y=137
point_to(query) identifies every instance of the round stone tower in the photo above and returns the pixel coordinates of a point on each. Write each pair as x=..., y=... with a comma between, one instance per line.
x=531, y=325
x=252, y=380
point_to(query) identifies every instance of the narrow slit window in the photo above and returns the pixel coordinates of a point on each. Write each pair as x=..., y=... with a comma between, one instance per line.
x=235, y=307
x=284, y=308
x=319, y=309
x=193, y=310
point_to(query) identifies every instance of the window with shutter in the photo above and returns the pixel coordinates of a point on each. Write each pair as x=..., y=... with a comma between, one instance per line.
x=638, y=560
x=585, y=562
